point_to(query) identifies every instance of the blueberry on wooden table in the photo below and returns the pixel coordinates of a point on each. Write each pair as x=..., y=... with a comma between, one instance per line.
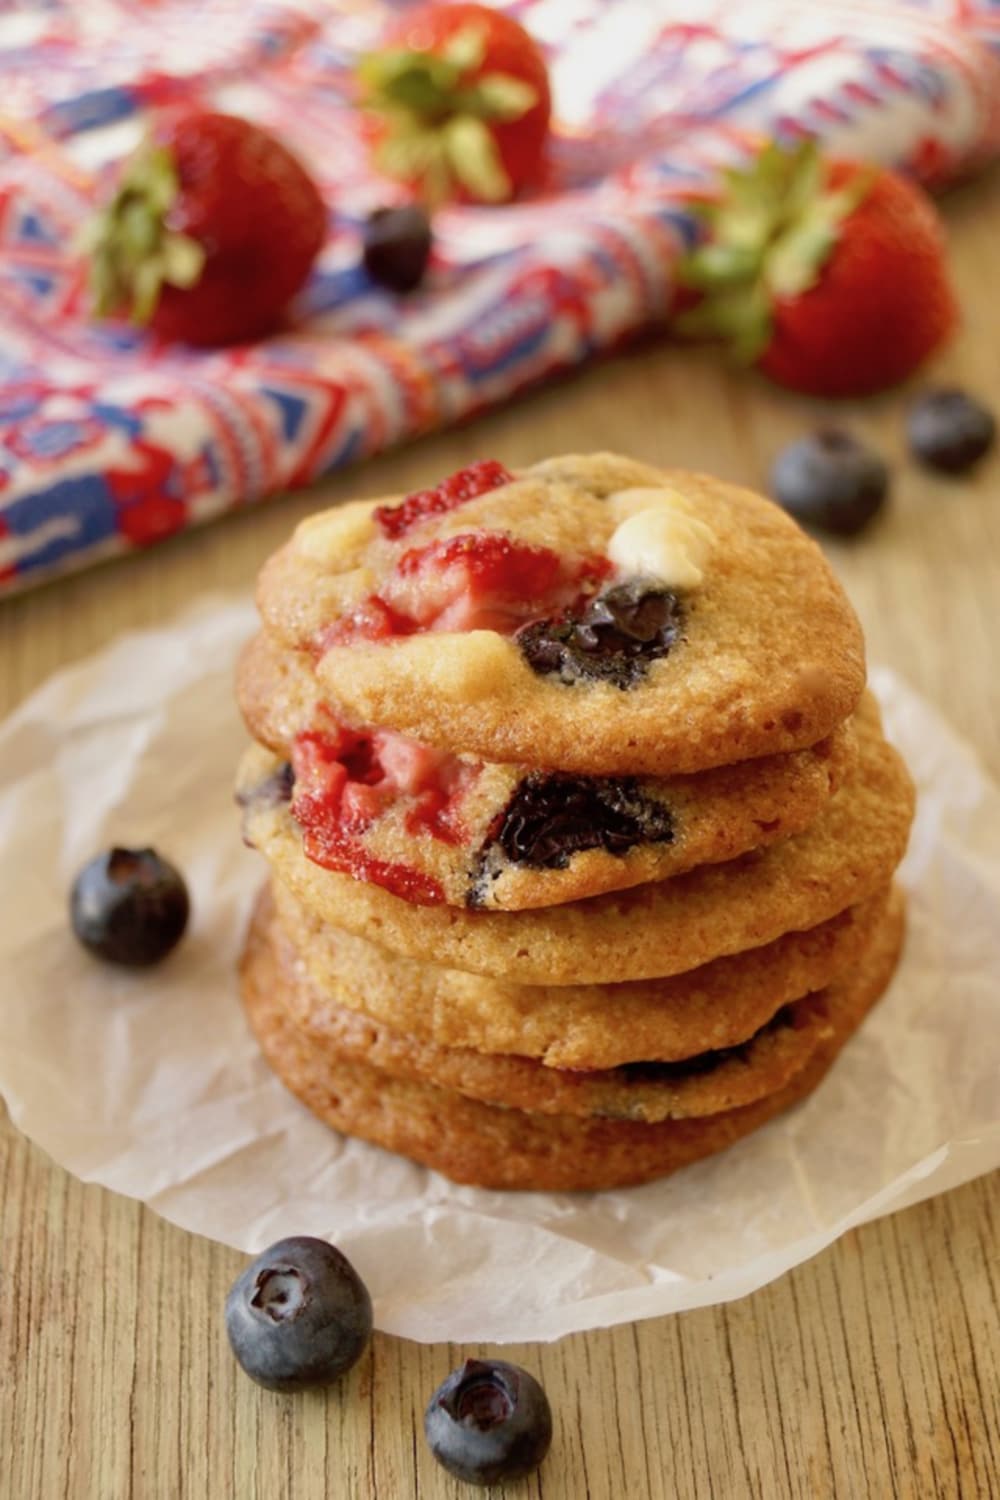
x=299, y=1316
x=129, y=906
x=831, y=481
x=397, y=247
x=489, y=1422
x=949, y=431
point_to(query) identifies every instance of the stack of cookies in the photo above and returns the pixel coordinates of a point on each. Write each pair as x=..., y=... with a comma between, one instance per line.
x=581, y=826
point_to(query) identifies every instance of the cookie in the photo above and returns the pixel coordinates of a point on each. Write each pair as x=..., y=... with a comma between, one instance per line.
x=710, y=1081
x=595, y=1026
x=665, y=928
x=590, y=615
x=476, y=833
x=480, y=1144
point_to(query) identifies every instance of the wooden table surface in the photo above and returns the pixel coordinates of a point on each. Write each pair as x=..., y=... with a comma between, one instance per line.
x=872, y=1371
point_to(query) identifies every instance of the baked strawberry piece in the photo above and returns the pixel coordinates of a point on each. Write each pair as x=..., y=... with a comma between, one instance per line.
x=395, y=521
x=473, y=580
x=345, y=781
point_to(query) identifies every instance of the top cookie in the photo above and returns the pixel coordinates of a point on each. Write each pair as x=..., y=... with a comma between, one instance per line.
x=591, y=614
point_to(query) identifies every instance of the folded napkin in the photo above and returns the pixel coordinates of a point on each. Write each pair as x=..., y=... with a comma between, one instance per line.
x=110, y=442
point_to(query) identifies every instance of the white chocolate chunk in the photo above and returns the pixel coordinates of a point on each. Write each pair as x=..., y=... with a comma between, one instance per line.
x=335, y=537
x=625, y=503
x=466, y=665
x=663, y=543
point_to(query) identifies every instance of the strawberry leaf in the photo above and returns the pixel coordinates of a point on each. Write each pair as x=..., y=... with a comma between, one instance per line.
x=183, y=260
x=797, y=256
x=845, y=199
x=407, y=152
x=437, y=179
x=747, y=224
x=768, y=236
x=419, y=81
x=501, y=96
x=715, y=264
x=132, y=252
x=146, y=282
x=153, y=174
x=473, y=157
x=138, y=228
x=742, y=318
x=805, y=181
x=796, y=259
x=466, y=49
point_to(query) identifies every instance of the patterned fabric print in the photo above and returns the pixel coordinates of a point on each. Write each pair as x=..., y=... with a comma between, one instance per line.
x=109, y=442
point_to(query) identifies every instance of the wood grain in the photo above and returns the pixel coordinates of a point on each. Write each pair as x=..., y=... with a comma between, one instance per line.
x=872, y=1371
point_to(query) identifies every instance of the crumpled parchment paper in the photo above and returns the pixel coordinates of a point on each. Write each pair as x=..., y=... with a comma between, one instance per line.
x=152, y=1085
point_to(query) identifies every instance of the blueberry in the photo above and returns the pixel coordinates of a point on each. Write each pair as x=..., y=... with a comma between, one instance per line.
x=299, y=1315
x=948, y=430
x=488, y=1422
x=397, y=247
x=830, y=481
x=272, y=791
x=552, y=817
x=129, y=906
x=614, y=640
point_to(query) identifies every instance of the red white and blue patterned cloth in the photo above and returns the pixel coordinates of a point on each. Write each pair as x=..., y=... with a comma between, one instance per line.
x=108, y=442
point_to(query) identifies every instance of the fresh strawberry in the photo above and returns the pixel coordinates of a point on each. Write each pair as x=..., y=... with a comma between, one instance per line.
x=212, y=230
x=461, y=95
x=830, y=275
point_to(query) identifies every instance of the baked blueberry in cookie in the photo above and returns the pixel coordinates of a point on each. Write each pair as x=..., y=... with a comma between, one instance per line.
x=549, y=818
x=613, y=639
x=275, y=788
